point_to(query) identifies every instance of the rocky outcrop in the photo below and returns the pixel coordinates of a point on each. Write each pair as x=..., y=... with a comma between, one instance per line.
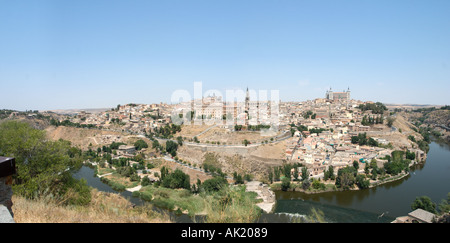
x=6, y=213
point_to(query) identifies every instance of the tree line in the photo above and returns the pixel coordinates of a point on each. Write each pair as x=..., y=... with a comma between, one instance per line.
x=346, y=177
x=376, y=108
x=44, y=167
x=68, y=123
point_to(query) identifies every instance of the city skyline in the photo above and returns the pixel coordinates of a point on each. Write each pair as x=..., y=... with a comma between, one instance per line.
x=97, y=54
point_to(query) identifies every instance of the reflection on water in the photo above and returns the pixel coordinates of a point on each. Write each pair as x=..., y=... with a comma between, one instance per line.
x=95, y=182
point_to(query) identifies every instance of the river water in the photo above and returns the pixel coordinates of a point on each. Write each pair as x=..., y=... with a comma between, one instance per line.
x=380, y=204
x=95, y=182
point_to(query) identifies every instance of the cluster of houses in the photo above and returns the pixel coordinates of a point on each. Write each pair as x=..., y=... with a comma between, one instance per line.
x=244, y=110
x=325, y=137
x=319, y=151
x=132, y=118
x=324, y=140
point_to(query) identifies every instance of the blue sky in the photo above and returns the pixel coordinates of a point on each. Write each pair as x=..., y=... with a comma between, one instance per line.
x=90, y=54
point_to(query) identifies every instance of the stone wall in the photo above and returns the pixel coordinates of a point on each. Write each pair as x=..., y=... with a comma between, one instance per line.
x=5, y=199
x=241, y=150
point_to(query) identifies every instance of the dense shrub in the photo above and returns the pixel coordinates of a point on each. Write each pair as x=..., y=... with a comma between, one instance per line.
x=176, y=179
x=43, y=166
x=214, y=184
x=285, y=183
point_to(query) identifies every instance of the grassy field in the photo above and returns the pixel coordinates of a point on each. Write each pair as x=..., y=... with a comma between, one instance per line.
x=230, y=205
x=103, y=208
x=179, y=200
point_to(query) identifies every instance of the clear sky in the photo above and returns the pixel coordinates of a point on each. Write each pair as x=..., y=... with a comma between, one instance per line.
x=92, y=54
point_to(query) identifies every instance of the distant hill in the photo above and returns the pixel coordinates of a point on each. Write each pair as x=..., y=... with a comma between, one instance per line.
x=75, y=111
x=411, y=106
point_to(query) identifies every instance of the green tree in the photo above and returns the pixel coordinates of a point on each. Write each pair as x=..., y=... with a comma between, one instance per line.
x=361, y=139
x=238, y=178
x=307, y=114
x=424, y=203
x=286, y=168
x=213, y=185
x=43, y=166
x=270, y=176
x=366, y=168
x=390, y=121
x=171, y=147
x=306, y=184
x=410, y=155
x=176, y=179
x=164, y=172
x=180, y=141
x=295, y=173
x=285, y=183
x=376, y=108
x=444, y=206
x=316, y=184
x=364, y=121
x=276, y=173
x=412, y=138
x=305, y=174
x=140, y=144
x=329, y=174
x=156, y=145
x=374, y=173
x=372, y=142
x=356, y=165
x=346, y=177
x=115, y=145
x=361, y=182
x=145, y=181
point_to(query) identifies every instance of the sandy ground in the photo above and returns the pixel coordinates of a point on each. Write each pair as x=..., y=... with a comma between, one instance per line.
x=82, y=137
x=264, y=193
x=217, y=134
x=271, y=151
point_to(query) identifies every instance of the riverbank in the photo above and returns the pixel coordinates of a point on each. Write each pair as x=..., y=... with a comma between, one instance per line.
x=393, y=197
x=327, y=196
x=330, y=187
x=264, y=193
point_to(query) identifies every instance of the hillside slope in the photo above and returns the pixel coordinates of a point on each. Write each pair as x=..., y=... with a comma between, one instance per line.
x=103, y=208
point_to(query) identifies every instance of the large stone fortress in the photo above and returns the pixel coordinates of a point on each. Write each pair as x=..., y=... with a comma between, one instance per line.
x=338, y=96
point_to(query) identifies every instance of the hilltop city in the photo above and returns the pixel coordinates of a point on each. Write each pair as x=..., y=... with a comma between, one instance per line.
x=326, y=144
x=318, y=133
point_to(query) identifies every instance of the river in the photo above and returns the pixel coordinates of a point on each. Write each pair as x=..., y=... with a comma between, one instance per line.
x=95, y=182
x=380, y=204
